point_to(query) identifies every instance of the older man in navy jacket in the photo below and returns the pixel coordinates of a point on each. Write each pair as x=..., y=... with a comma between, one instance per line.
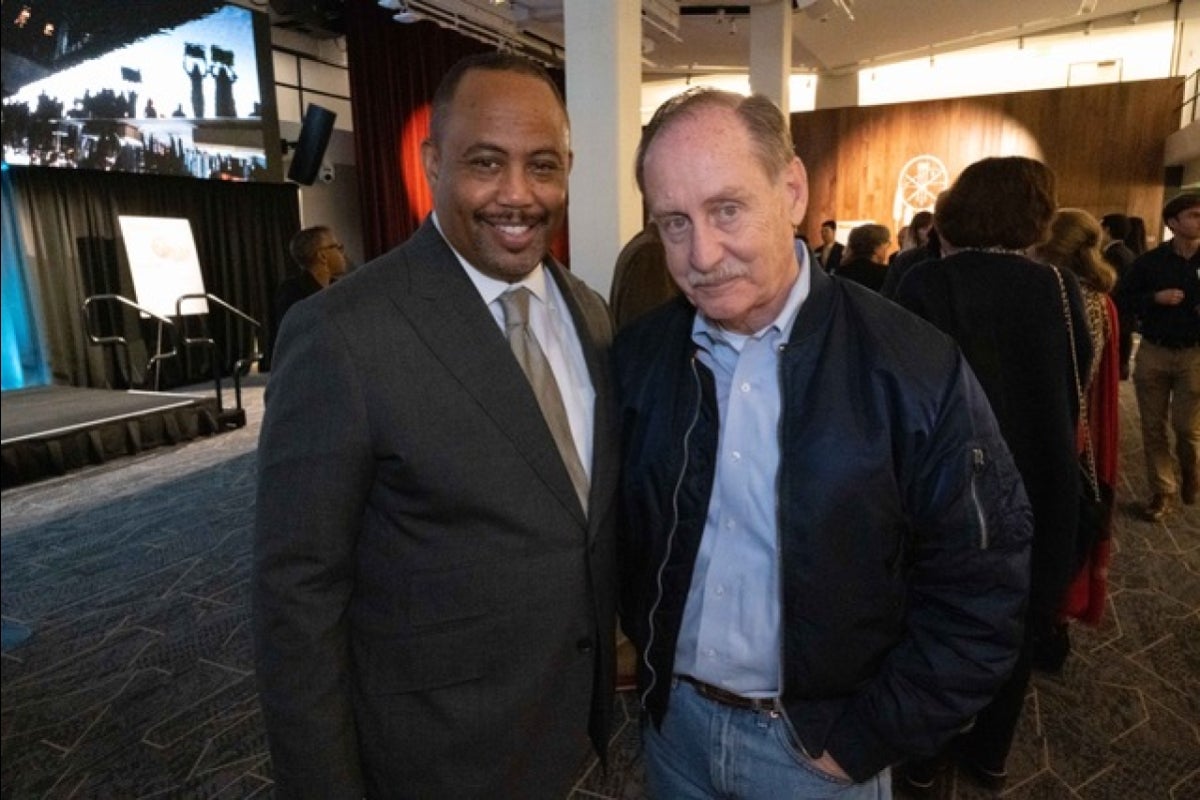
x=826, y=542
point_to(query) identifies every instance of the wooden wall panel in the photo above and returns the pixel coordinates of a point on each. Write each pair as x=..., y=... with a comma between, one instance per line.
x=1105, y=143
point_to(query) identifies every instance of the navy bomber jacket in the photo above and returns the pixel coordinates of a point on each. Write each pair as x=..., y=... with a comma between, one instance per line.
x=903, y=524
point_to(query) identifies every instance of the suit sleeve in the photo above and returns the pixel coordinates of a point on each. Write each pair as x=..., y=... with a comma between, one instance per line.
x=967, y=590
x=314, y=474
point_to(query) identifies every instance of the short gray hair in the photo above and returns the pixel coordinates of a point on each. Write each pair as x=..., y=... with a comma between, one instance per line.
x=307, y=243
x=770, y=134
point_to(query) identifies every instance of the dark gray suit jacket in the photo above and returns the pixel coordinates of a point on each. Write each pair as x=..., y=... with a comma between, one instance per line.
x=433, y=611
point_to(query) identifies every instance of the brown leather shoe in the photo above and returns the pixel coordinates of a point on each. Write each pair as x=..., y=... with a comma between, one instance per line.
x=1190, y=489
x=1158, y=507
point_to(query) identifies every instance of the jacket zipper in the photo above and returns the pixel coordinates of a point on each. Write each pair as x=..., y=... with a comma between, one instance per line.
x=978, y=462
x=779, y=708
x=658, y=579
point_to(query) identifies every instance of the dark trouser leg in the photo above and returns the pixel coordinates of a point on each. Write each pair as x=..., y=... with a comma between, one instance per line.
x=987, y=744
x=1126, y=325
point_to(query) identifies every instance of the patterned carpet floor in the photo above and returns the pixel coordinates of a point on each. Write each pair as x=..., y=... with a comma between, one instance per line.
x=137, y=677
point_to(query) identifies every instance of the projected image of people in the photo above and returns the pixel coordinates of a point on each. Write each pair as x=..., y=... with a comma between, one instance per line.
x=92, y=94
x=195, y=66
x=223, y=76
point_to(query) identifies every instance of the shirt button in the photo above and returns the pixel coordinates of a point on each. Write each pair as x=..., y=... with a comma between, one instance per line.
x=745, y=387
x=584, y=645
x=720, y=590
x=736, y=455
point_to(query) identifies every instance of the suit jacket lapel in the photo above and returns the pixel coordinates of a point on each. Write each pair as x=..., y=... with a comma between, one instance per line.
x=448, y=314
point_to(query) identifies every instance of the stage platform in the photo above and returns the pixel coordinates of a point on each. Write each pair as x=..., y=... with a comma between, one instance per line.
x=50, y=430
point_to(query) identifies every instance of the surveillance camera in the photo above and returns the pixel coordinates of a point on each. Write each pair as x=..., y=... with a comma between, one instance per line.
x=326, y=175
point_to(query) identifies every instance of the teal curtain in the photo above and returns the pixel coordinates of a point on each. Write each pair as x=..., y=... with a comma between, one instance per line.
x=24, y=360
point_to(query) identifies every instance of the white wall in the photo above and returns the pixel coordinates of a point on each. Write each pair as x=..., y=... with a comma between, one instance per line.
x=310, y=70
x=1157, y=46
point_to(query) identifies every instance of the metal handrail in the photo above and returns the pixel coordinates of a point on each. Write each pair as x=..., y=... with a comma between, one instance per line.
x=239, y=366
x=212, y=297
x=155, y=360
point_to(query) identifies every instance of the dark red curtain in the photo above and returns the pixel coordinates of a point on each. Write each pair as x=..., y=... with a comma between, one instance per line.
x=394, y=69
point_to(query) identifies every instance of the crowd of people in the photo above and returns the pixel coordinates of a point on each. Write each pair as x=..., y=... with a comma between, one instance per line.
x=831, y=496
x=108, y=129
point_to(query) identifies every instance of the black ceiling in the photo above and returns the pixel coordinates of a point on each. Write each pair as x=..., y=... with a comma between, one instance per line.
x=81, y=30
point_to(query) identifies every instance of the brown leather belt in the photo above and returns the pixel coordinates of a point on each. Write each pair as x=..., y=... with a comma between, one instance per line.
x=718, y=695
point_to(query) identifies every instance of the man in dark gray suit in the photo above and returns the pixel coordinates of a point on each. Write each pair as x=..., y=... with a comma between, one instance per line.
x=434, y=585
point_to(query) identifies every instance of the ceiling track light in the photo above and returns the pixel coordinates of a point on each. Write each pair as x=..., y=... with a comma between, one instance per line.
x=662, y=28
x=493, y=28
x=404, y=14
x=844, y=6
x=663, y=16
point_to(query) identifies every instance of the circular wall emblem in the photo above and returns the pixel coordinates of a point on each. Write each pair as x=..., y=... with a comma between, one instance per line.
x=921, y=180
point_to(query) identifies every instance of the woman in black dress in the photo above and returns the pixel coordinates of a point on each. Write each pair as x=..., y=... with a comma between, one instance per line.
x=1007, y=314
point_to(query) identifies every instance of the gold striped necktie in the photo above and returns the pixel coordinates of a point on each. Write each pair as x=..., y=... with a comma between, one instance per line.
x=524, y=344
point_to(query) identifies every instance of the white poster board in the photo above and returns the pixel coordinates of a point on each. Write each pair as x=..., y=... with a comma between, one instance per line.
x=164, y=264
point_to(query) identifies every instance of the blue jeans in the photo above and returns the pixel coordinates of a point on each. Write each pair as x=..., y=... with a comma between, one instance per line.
x=706, y=750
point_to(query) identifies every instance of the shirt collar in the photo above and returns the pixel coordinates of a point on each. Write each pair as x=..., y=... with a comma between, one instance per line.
x=706, y=332
x=490, y=288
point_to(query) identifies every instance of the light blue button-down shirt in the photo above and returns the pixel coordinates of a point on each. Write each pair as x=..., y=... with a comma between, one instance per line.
x=730, y=636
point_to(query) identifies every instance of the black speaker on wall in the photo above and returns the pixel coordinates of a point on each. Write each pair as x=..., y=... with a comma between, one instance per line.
x=315, y=131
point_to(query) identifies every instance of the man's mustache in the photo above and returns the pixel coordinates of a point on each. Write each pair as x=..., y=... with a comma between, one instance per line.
x=723, y=274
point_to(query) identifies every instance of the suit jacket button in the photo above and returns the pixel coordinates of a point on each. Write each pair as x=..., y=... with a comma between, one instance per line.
x=584, y=645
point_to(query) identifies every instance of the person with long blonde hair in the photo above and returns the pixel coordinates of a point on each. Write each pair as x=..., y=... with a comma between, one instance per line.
x=1074, y=245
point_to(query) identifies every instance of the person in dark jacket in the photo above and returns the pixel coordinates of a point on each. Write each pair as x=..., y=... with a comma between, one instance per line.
x=867, y=256
x=1009, y=314
x=824, y=543
x=1114, y=228
x=1135, y=240
x=434, y=582
x=1162, y=289
x=321, y=259
x=904, y=261
x=829, y=253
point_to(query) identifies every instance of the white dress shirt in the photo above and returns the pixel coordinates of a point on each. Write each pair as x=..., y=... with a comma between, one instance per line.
x=551, y=323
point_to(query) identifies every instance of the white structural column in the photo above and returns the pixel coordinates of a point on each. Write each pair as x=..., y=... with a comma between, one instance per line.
x=604, y=78
x=771, y=50
x=837, y=91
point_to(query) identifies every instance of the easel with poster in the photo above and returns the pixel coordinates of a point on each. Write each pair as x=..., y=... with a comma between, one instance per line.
x=168, y=283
